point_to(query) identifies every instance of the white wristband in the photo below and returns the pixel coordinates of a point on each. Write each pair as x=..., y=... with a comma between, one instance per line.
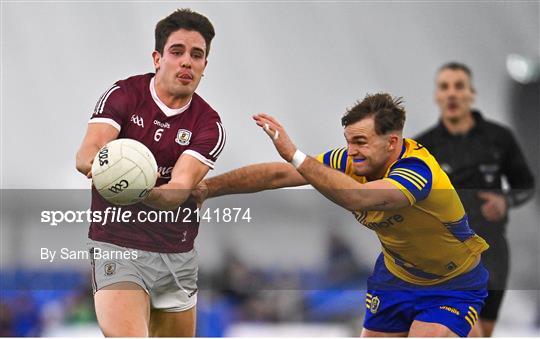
x=298, y=158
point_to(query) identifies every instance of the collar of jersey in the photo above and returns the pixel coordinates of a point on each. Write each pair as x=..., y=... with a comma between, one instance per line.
x=403, y=149
x=169, y=112
x=479, y=122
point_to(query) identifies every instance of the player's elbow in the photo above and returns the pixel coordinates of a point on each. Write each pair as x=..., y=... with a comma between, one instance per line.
x=161, y=200
x=170, y=204
x=173, y=195
x=81, y=165
x=353, y=206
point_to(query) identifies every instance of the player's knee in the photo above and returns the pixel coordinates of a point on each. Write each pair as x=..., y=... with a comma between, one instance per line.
x=487, y=327
x=127, y=328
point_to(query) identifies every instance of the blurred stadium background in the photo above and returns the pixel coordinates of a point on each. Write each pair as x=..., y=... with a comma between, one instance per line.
x=300, y=267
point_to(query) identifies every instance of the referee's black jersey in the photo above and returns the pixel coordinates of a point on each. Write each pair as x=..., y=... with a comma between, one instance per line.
x=476, y=162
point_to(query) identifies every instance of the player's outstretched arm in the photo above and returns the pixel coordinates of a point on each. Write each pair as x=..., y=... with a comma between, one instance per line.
x=97, y=135
x=186, y=174
x=335, y=185
x=346, y=192
x=250, y=179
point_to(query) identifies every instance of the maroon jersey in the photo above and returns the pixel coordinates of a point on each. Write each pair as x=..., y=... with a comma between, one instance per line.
x=133, y=107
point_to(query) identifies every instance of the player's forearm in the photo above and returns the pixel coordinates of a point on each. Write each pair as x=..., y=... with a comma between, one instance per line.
x=167, y=197
x=336, y=186
x=254, y=178
x=84, y=157
x=96, y=136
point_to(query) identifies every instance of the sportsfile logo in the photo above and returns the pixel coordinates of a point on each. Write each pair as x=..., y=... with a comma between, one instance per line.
x=137, y=120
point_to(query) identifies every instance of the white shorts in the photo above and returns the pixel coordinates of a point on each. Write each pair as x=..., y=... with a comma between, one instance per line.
x=170, y=279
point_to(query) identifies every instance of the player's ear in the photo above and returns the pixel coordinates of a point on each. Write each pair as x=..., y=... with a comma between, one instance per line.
x=156, y=56
x=393, y=141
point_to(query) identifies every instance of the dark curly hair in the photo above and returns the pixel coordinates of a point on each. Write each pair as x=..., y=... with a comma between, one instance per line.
x=388, y=112
x=183, y=19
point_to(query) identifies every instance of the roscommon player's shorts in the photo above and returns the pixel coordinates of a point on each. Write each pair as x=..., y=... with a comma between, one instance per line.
x=170, y=279
x=393, y=304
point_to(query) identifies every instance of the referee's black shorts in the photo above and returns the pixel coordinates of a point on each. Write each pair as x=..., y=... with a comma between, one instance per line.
x=496, y=259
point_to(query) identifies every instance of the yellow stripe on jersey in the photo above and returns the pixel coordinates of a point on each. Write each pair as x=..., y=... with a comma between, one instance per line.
x=339, y=157
x=336, y=159
x=474, y=311
x=414, y=174
x=410, y=178
x=408, y=173
x=469, y=321
x=332, y=156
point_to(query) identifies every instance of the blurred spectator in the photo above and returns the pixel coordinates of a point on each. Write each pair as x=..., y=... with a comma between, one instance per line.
x=81, y=308
x=26, y=320
x=6, y=322
x=342, y=265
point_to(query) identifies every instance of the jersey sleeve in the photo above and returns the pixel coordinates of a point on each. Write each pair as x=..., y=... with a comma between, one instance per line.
x=208, y=143
x=413, y=177
x=112, y=107
x=336, y=159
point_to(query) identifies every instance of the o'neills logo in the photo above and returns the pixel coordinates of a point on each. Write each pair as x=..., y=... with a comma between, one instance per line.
x=162, y=124
x=449, y=309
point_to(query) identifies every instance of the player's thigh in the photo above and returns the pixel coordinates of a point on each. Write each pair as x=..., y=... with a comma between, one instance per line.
x=425, y=329
x=173, y=324
x=370, y=334
x=476, y=331
x=123, y=310
x=487, y=326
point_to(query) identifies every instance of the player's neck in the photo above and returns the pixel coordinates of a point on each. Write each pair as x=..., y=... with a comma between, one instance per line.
x=169, y=99
x=459, y=126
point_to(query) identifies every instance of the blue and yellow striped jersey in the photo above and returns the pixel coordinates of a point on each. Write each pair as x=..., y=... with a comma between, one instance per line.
x=429, y=241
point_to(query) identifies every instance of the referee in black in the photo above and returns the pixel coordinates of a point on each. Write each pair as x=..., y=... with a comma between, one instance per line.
x=476, y=154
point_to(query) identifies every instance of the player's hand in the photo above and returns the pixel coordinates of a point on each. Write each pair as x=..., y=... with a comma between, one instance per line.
x=276, y=132
x=200, y=193
x=495, y=206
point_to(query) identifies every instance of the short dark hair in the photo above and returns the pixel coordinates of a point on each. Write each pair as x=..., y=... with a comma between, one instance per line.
x=186, y=19
x=387, y=111
x=456, y=66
